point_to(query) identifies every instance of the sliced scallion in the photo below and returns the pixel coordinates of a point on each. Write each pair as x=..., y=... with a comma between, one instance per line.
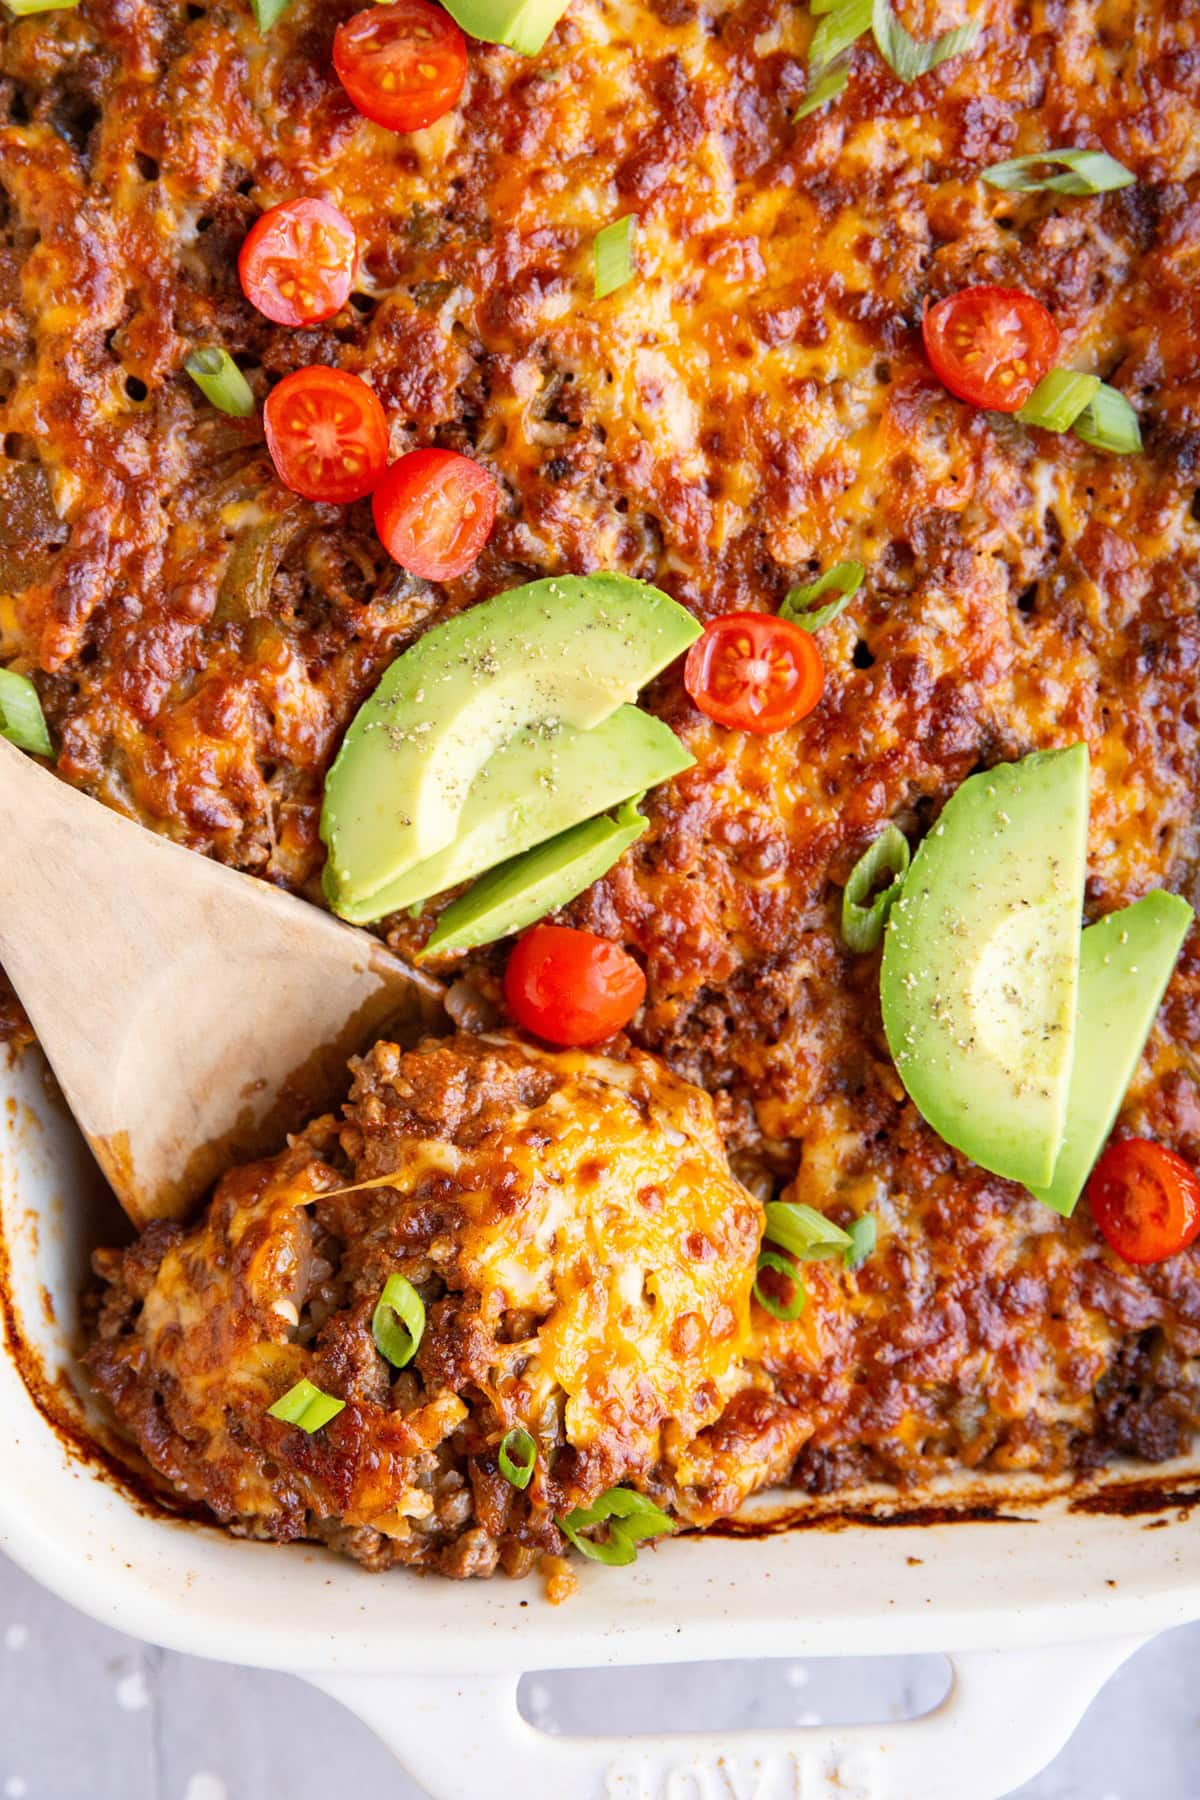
x=518, y=1457
x=779, y=1265
x=863, y=919
x=842, y=25
x=398, y=1322
x=804, y=1231
x=1058, y=399
x=904, y=55
x=863, y=1237
x=612, y=256
x=268, y=13
x=845, y=579
x=307, y=1406
x=630, y=1519
x=1108, y=422
x=22, y=720
x=1086, y=172
x=220, y=380
x=24, y=9
x=827, y=87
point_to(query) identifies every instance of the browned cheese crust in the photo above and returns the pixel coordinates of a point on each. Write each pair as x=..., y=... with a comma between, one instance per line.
x=753, y=407
x=585, y=1259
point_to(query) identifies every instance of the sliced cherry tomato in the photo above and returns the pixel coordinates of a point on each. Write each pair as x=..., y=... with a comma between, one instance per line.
x=754, y=672
x=327, y=434
x=403, y=64
x=1145, y=1199
x=298, y=263
x=990, y=345
x=434, y=511
x=571, y=987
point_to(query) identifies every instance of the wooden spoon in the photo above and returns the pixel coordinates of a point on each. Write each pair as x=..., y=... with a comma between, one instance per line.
x=192, y=1015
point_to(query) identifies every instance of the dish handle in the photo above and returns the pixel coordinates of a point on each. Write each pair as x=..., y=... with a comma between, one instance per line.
x=1007, y=1714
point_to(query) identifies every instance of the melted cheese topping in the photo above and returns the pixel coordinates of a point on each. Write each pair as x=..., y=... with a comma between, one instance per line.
x=752, y=407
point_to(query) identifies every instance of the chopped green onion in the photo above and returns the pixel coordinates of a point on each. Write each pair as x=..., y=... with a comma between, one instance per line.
x=862, y=924
x=804, y=1231
x=904, y=55
x=845, y=577
x=1058, y=399
x=306, y=1406
x=22, y=720
x=630, y=1518
x=1088, y=172
x=842, y=26
x=23, y=9
x=612, y=256
x=220, y=380
x=518, y=1457
x=863, y=1237
x=398, y=1322
x=780, y=1265
x=828, y=85
x=1108, y=422
x=268, y=12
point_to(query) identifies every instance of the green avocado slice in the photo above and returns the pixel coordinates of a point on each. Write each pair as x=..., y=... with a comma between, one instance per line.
x=1124, y=968
x=562, y=652
x=537, y=786
x=527, y=887
x=981, y=963
x=520, y=24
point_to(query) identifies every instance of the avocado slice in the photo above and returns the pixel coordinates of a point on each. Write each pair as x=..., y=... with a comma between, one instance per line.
x=537, y=786
x=981, y=963
x=527, y=887
x=1124, y=968
x=562, y=652
x=522, y=25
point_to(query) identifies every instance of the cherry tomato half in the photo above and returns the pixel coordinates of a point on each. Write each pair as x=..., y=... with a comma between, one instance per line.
x=403, y=64
x=298, y=263
x=1145, y=1199
x=327, y=434
x=990, y=345
x=754, y=672
x=434, y=511
x=571, y=987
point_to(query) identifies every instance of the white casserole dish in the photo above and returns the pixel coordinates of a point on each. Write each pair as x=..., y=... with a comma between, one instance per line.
x=433, y=1665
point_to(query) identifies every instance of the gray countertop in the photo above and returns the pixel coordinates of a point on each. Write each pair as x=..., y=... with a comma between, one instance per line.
x=90, y=1715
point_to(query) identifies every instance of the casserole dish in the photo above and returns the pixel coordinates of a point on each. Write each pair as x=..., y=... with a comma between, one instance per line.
x=1037, y=1597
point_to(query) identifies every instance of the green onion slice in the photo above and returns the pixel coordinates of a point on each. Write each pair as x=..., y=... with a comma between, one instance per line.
x=612, y=256
x=1087, y=172
x=220, y=380
x=842, y=25
x=1058, y=399
x=904, y=55
x=518, y=1457
x=306, y=1406
x=804, y=1231
x=398, y=1322
x=863, y=921
x=845, y=578
x=1108, y=422
x=22, y=720
x=863, y=1237
x=780, y=1265
x=630, y=1518
x=268, y=12
x=827, y=87
x=23, y=9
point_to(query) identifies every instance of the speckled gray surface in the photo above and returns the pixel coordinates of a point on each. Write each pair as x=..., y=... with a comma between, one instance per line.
x=90, y=1715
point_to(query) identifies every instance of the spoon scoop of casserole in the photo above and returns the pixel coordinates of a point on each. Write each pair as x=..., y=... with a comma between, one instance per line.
x=191, y=1015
